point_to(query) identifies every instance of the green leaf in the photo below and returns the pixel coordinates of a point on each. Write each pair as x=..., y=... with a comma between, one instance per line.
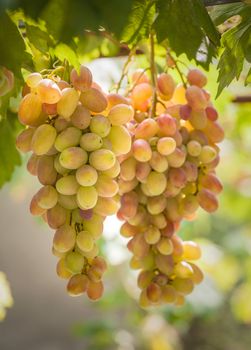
x=39, y=38
x=186, y=24
x=63, y=51
x=13, y=54
x=248, y=77
x=221, y=13
x=140, y=21
x=9, y=156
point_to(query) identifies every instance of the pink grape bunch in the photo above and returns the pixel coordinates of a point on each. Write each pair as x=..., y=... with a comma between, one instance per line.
x=167, y=175
x=75, y=133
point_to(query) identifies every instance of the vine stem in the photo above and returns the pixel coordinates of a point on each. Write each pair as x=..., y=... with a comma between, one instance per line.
x=153, y=75
x=125, y=69
x=178, y=69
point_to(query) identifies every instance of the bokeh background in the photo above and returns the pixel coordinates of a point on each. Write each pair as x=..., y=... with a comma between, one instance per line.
x=217, y=316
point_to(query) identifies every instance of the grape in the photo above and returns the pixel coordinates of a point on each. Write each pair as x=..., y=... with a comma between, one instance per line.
x=194, y=148
x=167, y=125
x=86, y=175
x=102, y=159
x=128, y=169
x=208, y=154
x=156, y=205
x=47, y=197
x=94, y=100
x=142, y=171
x=185, y=112
x=197, y=276
x=211, y=113
x=46, y=172
x=94, y=225
x=116, y=99
x=183, y=285
x=196, y=77
x=77, y=285
x=64, y=239
x=207, y=200
x=106, y=206
x=81, y=80
x=146, y=129
x=183, y=270
x=43, y=139
x=168, y=294
x=177, y=158
x=33, y=164
x=139, y=76
x=74, y=262
x=73, y=157
x=61, y=124
x=120, y=139
x=50, y=109
x=35, y=209
x=106, y=187
x=158, y=162
x=57, y=216
x=129, y=205
x=126, y=186
x=152, y=235
x=62, y=271
x=68, y=102
x=30, y=109
x=165, y=246
x=177, y=177
x=144, y=279
x=141, y=92
x=211, y=182
x=141, y=150
x=85, y=241
x=58, y=167
x=120, y=114
x=198, y=119
x=67, y=185
x=195, y=98
x=91, y=142
x=159, y=221
x=127, y=230
x=87, y=197
x=179, y=95
x=100, y=125
x=23, y=141
x=153, y=292
x=166, y=86
x=191, y=250
x=156, y=183
x=48, y=91
x=67, y=202
x=81, y=118
x=166, y=145
x=138, y=246
x=69, y=137
x=33, y=79
x=95, y=290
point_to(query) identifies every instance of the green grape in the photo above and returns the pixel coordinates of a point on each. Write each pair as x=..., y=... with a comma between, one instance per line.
x=69, y=137
x=86, y=175
x=87, y=197
x=43, y=139
x=102, y=159
x=68, y=202
x=81, y=118
x=62, y=271
x=74, y=262
x=100, y=125
x=91, y=142
x=73, y=158
x=47, y=197
x=120, y=139
x=68, y=102
x=67, y=185
x=64, y=239
x=106, y=186
x=85, y=241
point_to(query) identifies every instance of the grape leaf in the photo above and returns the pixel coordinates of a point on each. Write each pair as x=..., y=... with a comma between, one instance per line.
x=39, y=38
x=9, y=156
x=248, y=78
x=63, y=51
x=13, y=54
x=221, y=13
x=140, y=21
x=186, y=24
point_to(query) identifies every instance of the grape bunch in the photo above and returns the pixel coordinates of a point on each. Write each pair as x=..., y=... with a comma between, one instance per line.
x=167, y=175
x=76, y=134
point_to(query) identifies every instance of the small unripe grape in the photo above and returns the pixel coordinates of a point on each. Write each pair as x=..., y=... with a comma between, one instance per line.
x=120, y=114
x=191, y=250
x=86, y=175
x=82, y=80
x=120, y=139
x=57, y=216
x=166, y=145
x=47, y=197
x=153, y=293
x=102, y=159
x=146, y=129
x=106, y=186
x=62, y=271
x=81, y=117
x=94, y=100
x=87, y=197
x=68, y=202
x=85, y=241
x=64, y=238
x=152, y=235
x=69, y=137
x=67, y=103
x=100, y=125
x=156, y=183
x=43, y=139
x=67, y=185
x=167, y=125
x=142, y=150
x=74, y=262
x=33, y=79
x=196, y=77
x=158, y=162
x=30, y=109
x=23, y=141
x=166, y=86
x=208, y=154
x=77, y=285
x=73, y=157
x=48, y=91
x=46, y=173
x=95, y=290
x=195, y=97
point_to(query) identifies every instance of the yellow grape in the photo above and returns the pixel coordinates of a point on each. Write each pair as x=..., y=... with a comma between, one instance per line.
x=146, y=129
x=153, y=292
x=197, y=276
x=61, y=124
x=120, y=139
x=94, y=100
x=102, y=159
x=128, y=169
x=62, y=271
x=156, y=205
x=208, y=154
x=183, y=285
x=43, y=139
x=113, y=171
x=120, y=114
x=46, y=173
x=142, y=150
x=77, y=285
x=87, y=197
x=81, y=80
x=30, y=110
x=165, y=246
x=183, y=270
x=156, y=183
x=68, y=202
x=64, y=239
x=91, y=142
x=67, y=185
x=106, y=186
x=69, y=137
x=191, y=250
x=158, y=162
x=106, y=206
x=168, y=294
x=194, y=148
x=48, y=91
x=85, y=241
x=94, y=225
x=100, y=125
x=74, y=262
x=59, y=168
x=152, y=235
x=23, y=141
x=166, y=145
x=47, y=197
x=33, y=79
x=73, y=157
x=67, y=103
x=86, y=175
x=81, y=117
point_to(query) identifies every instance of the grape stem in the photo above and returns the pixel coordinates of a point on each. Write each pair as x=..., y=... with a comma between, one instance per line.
x=153, y=75
x=125, y=69
x=138, y=79
x=178, y=69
